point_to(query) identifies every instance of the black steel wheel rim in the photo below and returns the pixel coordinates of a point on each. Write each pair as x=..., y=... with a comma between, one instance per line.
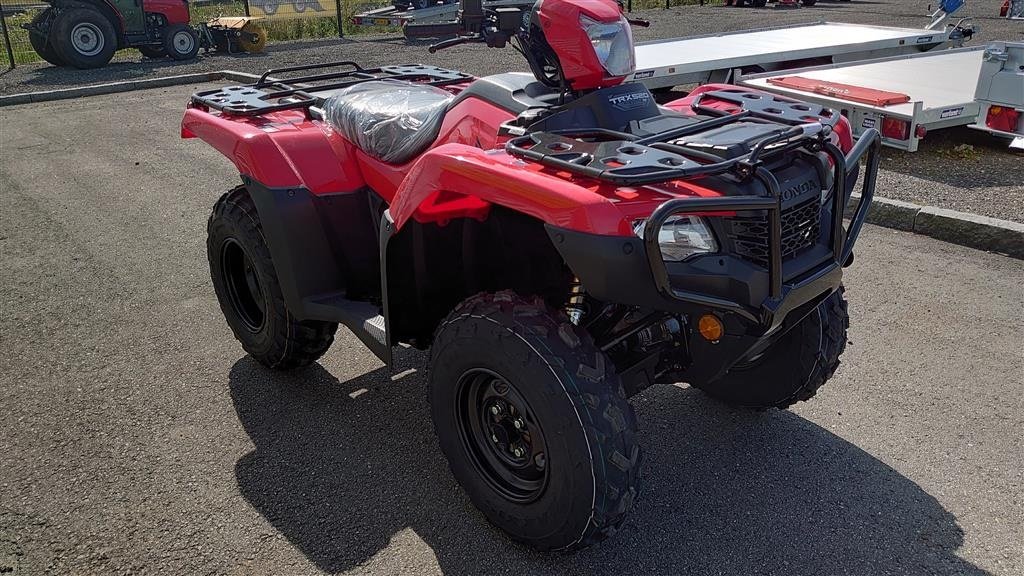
x=243, y=285
x=501, y=435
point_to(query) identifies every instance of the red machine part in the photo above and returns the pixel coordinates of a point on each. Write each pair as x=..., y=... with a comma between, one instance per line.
x=176, y=11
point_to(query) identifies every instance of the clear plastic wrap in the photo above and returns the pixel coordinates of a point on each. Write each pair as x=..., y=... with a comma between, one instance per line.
x=389, y=119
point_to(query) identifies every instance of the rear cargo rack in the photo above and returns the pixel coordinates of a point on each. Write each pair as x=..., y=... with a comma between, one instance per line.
x=274, y=92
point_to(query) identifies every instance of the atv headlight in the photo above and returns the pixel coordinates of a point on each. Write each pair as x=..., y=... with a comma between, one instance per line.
x=613, y=44
x=682, y=236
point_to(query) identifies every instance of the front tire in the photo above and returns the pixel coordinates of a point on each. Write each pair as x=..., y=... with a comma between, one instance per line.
x=566, y=475
x=83, y=38
x=793, y=368
x=181, y=42
x=249, y=292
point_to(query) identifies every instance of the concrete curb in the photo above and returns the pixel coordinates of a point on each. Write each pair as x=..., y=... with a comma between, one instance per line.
x=125, y=86
x=971, y=230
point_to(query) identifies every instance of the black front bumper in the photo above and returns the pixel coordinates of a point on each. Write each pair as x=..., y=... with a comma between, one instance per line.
x=757, y=304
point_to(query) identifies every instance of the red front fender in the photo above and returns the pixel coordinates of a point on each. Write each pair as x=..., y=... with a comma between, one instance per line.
x=456, y=171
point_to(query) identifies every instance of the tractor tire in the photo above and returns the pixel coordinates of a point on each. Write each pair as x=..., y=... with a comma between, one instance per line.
x=41, y=42
x=83, y=38
x=181, y=42
x=153, y=51
x=793, y=368
x=534, y=422
x=249, y=292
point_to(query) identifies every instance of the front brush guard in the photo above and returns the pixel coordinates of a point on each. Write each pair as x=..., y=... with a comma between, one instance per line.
x=783, y=297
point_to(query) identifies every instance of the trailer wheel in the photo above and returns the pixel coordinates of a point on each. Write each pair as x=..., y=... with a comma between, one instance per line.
x=153, y=51
x=249, y=292
x=181, y=42
x=41, y=42
x=83, y=38
x=794, y=367
x=533, y=421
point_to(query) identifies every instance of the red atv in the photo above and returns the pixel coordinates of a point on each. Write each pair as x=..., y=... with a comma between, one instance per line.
x=557, y=239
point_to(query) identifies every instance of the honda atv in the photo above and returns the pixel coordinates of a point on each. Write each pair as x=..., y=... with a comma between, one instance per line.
x=558, y=240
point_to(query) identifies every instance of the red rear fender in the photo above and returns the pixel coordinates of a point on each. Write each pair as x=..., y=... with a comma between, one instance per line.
x=279, y=152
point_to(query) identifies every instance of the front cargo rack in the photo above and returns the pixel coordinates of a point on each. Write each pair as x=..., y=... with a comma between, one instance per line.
x=628, y=160
x=274, y=92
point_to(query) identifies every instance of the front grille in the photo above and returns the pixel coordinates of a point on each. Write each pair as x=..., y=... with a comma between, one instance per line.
x=801, y=226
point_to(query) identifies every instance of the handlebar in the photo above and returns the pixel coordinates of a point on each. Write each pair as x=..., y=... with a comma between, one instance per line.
x=452, y=42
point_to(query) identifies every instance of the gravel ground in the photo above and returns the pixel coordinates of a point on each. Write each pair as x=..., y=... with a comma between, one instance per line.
x=986, y=180
x=138, y=438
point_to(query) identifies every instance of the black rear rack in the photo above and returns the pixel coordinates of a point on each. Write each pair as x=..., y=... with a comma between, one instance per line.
x=274, y=92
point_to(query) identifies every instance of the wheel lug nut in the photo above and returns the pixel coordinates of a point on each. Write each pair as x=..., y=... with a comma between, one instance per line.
x=494, y=438
x=495, y=410
x=518, y=424
x=518, y=452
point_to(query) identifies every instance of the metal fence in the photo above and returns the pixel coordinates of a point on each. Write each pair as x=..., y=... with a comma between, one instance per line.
x=283, y=19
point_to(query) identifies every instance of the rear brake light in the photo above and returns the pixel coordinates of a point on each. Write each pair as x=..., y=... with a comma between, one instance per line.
x=1002, y=119
x=895, y=129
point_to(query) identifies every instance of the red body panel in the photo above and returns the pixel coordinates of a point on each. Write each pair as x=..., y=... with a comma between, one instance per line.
x=465, y=171
x=282, y=150
x=560, y=22
x=176, y=11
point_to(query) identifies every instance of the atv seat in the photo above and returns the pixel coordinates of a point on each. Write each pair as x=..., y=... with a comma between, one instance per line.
x=391, y=120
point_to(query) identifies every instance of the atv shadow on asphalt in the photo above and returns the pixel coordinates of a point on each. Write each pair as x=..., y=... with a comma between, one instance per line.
x=341, y=468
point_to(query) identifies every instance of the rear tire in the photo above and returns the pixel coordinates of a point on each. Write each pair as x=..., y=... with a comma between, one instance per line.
x=249, y=291
x=181, y=42
x=83, y=38
x=41, y=42
x=579, y=470
x=794, y=367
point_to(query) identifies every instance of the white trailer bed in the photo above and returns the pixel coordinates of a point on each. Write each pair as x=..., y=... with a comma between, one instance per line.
x=941, y=86
x=712, y=58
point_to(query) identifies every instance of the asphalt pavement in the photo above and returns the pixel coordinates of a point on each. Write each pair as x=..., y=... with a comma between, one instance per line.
x=137, y=437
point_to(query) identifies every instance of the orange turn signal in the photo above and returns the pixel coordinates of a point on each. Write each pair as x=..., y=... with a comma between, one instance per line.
x=710, y=327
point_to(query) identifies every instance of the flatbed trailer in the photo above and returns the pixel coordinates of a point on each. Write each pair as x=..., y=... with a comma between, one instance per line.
x=717, y=57
x=431, y=22
x=939, y=88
